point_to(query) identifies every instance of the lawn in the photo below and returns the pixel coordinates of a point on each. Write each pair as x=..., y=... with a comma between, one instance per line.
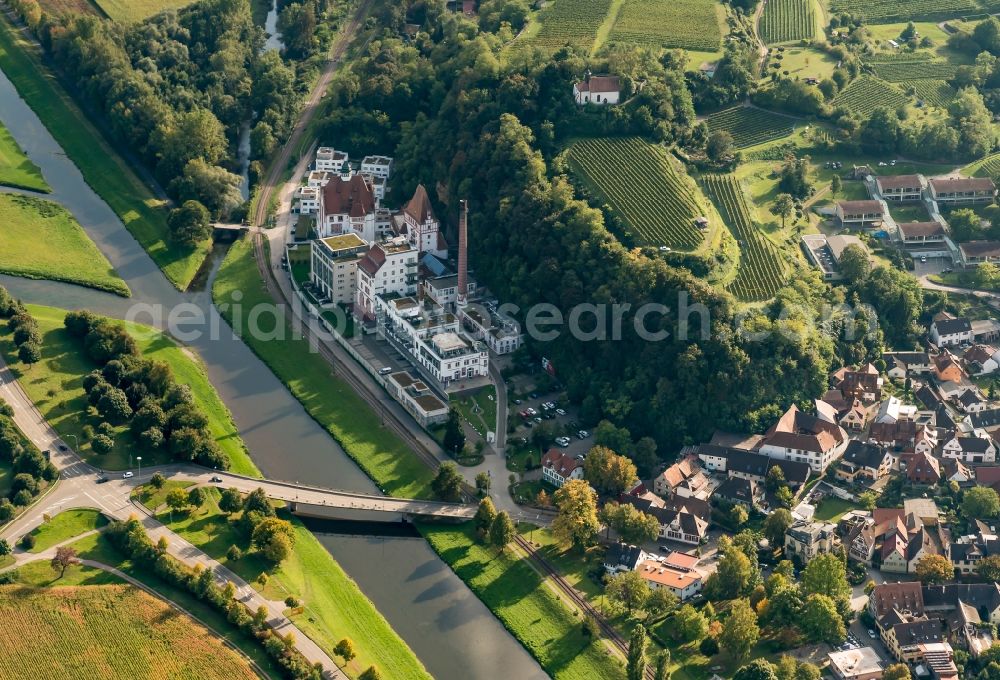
x=16, y=169
x=530, y=610
x=334, y=606
x=804, y=62
x=327, y=398
x=137, y=10
x=831, y=509
x=142, y=214
x=40, y=239
x=55, y=385
x=66, y=525
x=909, y=212
x=152, y=498
x=112, y=631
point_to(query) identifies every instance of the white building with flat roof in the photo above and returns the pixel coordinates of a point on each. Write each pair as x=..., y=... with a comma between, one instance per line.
x=389, y=268
x=334, y=266
x=856, y=664
x=329, y=159
x=378, y=166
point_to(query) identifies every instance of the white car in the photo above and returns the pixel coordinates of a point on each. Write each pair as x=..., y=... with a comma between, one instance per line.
x=560, y=411
x=562, y=441
x=127, y=475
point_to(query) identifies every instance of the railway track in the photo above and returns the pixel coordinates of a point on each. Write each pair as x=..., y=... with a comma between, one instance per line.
x=570, y=592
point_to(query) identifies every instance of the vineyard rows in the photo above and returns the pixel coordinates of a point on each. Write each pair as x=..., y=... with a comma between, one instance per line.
x=988, y=167
x=900, y=71
x=933, y=92
x=889, y=57
x=866, y=94
x=891, y=11
x=571, y=21
x=688, y=24
x=750, y=127
x=640, y=183
x=762, y=270
x=787, y=20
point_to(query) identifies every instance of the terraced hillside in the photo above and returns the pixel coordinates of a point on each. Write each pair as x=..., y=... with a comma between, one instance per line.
x=867, y=93
x=573, y=22
x=787, y=20
x=749, y=126
x=687, y=24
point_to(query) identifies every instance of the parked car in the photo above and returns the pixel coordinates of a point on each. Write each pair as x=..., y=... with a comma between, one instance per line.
x=560, y=411
x=582, y=434
x=562, y=441
x=385, y=370
x=517, y=402
x=102, y=479
x=128, y=475
x=872, y=634
x=537, y=419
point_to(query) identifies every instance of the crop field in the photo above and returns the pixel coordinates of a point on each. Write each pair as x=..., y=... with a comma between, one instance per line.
x=68, y=7
x=688, y=24
x=110, y=632
x=641, y=183
x=788, y=20
x=750, y=127
x=570, y=21
x=866, y=94
x=932, y=92
x=762, y=271
x=987, y=167
x=137, y=10
x=921, y=69
x=893, y=11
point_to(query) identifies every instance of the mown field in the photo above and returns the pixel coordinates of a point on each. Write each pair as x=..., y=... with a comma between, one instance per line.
x=762, y=270
x=687, y=24
x=892, y=11
x=40, y=239
x=137, y=10
x=750, y=127
x=110, y=632
x=866, y=94
x=16, y=169
x=788, y=20
x=55, y=385
x=69, y=7
x=104, y=170
x=573, y=22
x=642, y=184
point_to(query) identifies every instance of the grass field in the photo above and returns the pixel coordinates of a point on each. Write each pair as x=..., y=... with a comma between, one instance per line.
x=644, y=185
x=66, y=525
x=55, y=385
x=802, y=62
x=750, y=127
x=334, y=606
x=104, y=170
x=152, y=498
x=891, y=11
x=688, y=24
x=788, y=20
x=40, y=239
x=866, y=94
x=137, y=10
x=516, y=594
x=831, y=509
x=108, y=632
x=327, y=398
x=69, y=7
x=16, y=169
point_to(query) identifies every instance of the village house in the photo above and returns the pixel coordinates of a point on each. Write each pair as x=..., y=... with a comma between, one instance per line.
x=982, y=359
x=865, y=214
x=601, y=90
x=972, y=401
x=892, y=540
x=962, y=190
x=623, y=557
x=676, y=572
x=740, y=491
x=809, y=539
x=892, y=411
x=899, y=436
x=681, y=519
x=900, y=188
x=749, y=465
x=559, y=467
x=685, y=477
x=856, y=418
x=900, y=365
x=864, y=383
x=947, y=369
x=856, y=664
x=966, y=551
x=804, y=438
x=920, y=468
x=970, y=450
x=947, y=330
x=864, y=461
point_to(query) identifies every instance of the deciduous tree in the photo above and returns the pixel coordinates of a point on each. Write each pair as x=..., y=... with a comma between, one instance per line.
x=628, y=589
x=776, y=524
x=447, y=484
x=897, y=671
x=820, y=621
x=631, y=524
x=485, y=515
x=739, y=632
x=980, y=502
x=345, y=650
x=689, y=624
x=826, y=575
x=64, y=558
x=608, y=472
x=933, y=569
x=501, y=531
x=576, y=523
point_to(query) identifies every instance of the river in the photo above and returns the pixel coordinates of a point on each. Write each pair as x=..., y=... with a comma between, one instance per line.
x=453, y=633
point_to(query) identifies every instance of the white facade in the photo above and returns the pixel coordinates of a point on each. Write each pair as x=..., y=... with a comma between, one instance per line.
x=501, y=333
x=377, y=166
x=329, y=159
x=977, y=449
x=308, y=200
x=334, y=266
x=389, y=268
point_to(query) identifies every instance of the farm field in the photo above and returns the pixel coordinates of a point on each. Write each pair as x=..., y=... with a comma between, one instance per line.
x=762, y=271
x=16, y=169
x=568, y=21
x=68, y=253
x=55, y=386
x=137, y=10
x=687, y=24
x=640, y=182
x=69, y=7
x=750, y=127
x=932, y=92
x=897, y=71
x=891, y=11
x=788, y=20
x=110, y=632
x=866, y=94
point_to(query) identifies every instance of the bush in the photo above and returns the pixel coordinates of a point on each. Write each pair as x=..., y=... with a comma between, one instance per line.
x=709, y=646
x=291, y=601
x=23, y=498
x=102, y=444
x=28, y=541
x=158, y=480
x=234, y=553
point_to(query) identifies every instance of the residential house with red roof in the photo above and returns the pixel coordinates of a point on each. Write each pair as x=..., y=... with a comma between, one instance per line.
x=804, y=438
x=558, y=467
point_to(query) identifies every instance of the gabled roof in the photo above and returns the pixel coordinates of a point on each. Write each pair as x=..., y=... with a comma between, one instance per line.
x=887, y=597
x=737, y=489
x=980, y=354
x=900, y=181
x=864, y=454
x=918, y=229
x=949, y=184
x=419, y=207
x=973, y=444
x=560, y=463
x=623, y=555
x=928, y=397
x=351, y=197
x=756, y=464
x=798, y=430
x=858, y=207
x=984, y=419
x=969, y=398
x=953, y=326
x=599, y=84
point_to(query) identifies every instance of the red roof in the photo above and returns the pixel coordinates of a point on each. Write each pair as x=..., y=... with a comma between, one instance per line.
x=353, y=197
x=599, y=84
x=419, y=207
x=560, y=463
x=373, y=261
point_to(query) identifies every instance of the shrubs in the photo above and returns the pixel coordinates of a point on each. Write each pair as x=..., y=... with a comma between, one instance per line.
x=27, y=337
x=30, y=468
x=27, y=541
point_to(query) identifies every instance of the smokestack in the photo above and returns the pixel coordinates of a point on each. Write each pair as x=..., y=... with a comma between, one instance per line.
x=463, y=251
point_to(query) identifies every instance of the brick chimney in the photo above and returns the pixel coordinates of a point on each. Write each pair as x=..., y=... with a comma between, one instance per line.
x=463, y=251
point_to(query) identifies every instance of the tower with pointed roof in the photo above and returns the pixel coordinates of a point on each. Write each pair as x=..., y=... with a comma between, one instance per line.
x=423, y=230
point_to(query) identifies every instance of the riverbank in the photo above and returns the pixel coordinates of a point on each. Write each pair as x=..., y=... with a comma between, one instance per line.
x=143, y=215
x=42, y=240
x=16, y=169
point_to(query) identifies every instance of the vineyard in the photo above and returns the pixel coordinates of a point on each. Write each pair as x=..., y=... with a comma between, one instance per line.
x=892, y=11
x=762, y=270
x=688, y=24
x=866, y=94
x=750, y=127
x=987, y=167
x=108, y=632
x=900, y=71
x=570, y=21
x=933, y=92
x=642, y=184
x=788, y=20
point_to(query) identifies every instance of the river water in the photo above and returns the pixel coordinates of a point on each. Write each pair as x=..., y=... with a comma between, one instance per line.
x=453, y=633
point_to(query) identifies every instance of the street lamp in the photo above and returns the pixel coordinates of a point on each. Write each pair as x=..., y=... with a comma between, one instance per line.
x=76, y=441
x=139, y=458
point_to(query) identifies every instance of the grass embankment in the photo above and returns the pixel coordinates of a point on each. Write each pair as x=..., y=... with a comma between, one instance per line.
x=327, y=398
x=16, y=169
x=152, y=498
x=40, y=239
x=65, y=526
x=333, y=605
x=519, y=597
x=55, y=386
x=113, y=631
x=102, y=168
